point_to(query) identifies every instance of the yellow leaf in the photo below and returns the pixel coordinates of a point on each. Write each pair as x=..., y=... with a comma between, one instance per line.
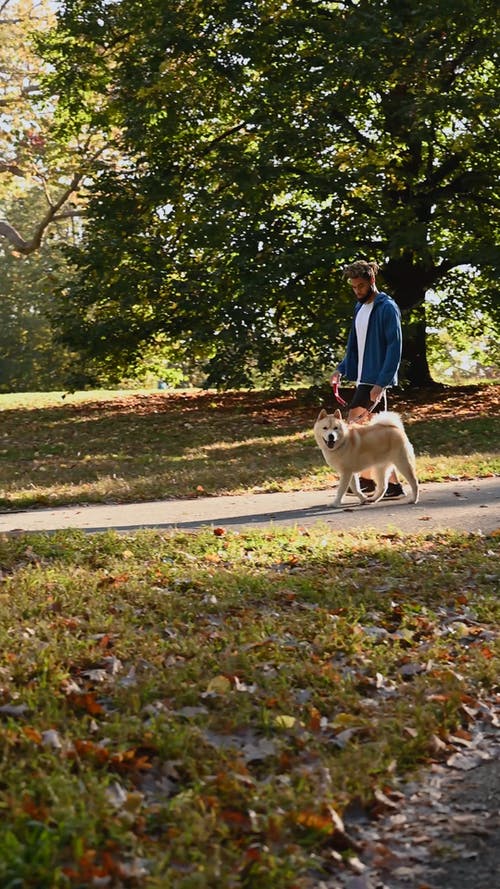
x=284, y=721
x=345, y=720
x=219, y=685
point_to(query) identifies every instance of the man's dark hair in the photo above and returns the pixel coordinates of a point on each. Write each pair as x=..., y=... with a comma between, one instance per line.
x=361, y=269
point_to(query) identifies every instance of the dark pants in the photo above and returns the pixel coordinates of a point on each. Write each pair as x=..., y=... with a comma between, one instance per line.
x=361, y=398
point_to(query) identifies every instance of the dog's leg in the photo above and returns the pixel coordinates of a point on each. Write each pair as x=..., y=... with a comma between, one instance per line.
x=356, y=488
x=406, y=467
x=344, y=482
x=381, y=474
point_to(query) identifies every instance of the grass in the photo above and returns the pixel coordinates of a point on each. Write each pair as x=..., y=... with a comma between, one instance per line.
x=137, y=446
x=200, y=710
x=209, y=710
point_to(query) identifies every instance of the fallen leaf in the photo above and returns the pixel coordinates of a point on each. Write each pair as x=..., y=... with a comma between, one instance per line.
x=219, y=685
x=51, y=738
x=34, y=810
x=315, y=821
x=14, y=709
x=112, y=580
x=116, y=795
x=463, y=761
x=284, y=721
x=32, y=734
x=86, y=702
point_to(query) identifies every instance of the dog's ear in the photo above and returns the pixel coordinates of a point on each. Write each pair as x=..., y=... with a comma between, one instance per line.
x=322, y=414
x=337, y=415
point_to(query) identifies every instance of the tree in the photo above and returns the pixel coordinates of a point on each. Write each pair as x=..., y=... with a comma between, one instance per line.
x=462, y=338
x=30, y=357
x=264, y=145
x=41, y=164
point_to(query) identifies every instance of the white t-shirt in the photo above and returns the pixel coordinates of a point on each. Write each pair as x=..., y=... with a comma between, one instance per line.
x=362, y=319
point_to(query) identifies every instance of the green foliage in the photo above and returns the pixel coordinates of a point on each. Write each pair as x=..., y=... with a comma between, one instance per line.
x=463, y=328
x=262, y=145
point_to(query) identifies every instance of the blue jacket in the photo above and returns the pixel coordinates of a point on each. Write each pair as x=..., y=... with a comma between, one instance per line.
x=383, y=345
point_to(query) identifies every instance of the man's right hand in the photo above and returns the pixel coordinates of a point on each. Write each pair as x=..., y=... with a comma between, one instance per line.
x=335, y=378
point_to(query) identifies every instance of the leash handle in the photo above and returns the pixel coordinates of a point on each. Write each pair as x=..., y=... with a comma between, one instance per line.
x=369, y=410
x=337, y=395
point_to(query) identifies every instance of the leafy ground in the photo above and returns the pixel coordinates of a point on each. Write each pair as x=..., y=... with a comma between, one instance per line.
x=112, y=447
x=213, y=709
x=210, y=709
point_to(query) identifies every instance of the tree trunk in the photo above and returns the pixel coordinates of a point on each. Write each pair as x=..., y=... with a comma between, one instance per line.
x=408, y=284
x=415, y=367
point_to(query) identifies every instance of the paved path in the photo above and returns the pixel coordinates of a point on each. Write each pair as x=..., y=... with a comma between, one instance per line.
x=463, y=505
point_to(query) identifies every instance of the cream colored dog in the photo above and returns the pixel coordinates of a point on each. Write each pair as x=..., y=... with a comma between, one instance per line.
x=350, y=448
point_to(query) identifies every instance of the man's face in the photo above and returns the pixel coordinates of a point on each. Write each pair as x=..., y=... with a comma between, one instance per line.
x=361, y=286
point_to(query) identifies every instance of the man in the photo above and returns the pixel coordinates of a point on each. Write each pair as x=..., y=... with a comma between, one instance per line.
x=373, y=353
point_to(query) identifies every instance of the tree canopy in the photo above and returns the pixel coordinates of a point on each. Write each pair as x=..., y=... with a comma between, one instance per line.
x=261, y=146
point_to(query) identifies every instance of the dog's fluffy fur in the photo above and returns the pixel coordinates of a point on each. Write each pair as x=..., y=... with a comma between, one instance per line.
x=349, y=448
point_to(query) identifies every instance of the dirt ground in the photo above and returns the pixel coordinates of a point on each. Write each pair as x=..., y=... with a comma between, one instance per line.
x=420, y=404
x=295, y=407
x=441, y=831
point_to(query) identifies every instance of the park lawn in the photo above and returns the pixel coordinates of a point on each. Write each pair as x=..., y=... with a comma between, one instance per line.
x=213, y=709
x=139, y=446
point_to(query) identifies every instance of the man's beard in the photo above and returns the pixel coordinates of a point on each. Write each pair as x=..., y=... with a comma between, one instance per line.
x=363, y=299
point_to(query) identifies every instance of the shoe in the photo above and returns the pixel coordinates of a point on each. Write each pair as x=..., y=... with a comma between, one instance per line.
x=367, y=485
x=394, y=490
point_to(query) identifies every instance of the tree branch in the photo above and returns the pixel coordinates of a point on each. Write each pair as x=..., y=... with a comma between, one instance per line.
x=466, y=183
x=25, y=247
x=9, y=232
x=11, y=168
x=69, y=214
x=346, y=123
x=216, y=139
x=208, y=147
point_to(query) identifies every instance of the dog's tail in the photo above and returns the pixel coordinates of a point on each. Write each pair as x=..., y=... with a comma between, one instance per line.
x=388, y=418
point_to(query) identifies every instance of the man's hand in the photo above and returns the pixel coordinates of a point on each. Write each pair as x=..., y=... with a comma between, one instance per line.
x=335, y=378
x=376, y=393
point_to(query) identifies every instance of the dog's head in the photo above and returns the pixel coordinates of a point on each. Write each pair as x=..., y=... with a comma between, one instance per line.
x=329, y=429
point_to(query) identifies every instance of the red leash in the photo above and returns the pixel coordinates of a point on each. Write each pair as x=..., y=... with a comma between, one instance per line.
x=340, y=400
x=338, y=397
